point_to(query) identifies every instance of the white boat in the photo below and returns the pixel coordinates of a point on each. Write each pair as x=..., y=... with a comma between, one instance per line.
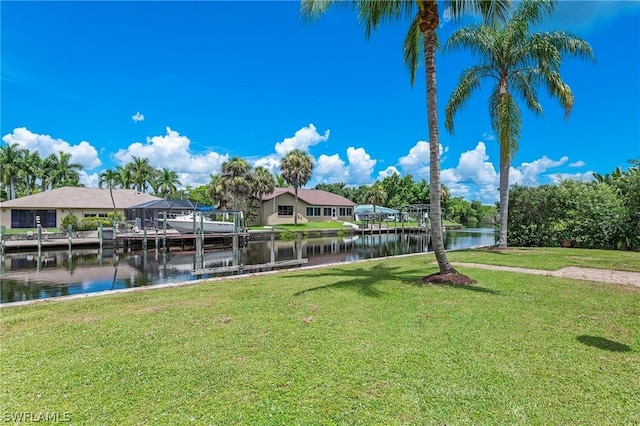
x=185, y=223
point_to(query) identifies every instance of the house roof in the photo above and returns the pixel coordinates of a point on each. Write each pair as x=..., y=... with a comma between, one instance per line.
x=70, y=197
x=314, y=197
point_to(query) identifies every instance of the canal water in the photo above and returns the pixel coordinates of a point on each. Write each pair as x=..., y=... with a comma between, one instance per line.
x=25, y=276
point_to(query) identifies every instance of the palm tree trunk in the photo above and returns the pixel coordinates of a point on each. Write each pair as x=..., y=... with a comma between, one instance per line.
x=504, y=195
x=295, y=213
x=435, y=214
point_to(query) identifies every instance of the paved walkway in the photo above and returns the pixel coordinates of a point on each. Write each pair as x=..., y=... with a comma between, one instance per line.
x=578, y=273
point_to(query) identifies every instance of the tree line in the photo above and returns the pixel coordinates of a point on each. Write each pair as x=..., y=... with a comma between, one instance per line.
x=604, y=213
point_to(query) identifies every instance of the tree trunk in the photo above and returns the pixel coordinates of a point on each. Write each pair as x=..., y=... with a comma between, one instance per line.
x=295, y=213
x=435, y=214
x=504, y=194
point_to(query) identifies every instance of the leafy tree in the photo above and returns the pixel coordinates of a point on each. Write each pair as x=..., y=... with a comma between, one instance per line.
x=201, y=195
x=296, y=168
x=517, y=61
x=420, y=37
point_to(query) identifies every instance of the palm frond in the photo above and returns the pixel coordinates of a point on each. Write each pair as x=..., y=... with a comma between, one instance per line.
x=559, y=89
x=412, y=46
x=490, y=10
x=567, y=43
x=506, y=120
x=469, y=81
x=524, y=84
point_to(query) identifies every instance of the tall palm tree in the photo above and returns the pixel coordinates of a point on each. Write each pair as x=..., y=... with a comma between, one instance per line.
x=110, y=178
x=263, y=182
x=235, y=175
x=61, y=172
x=296, y=168
x=11, y=158
x=517, y=62
x=167, y=182
x=421, y=36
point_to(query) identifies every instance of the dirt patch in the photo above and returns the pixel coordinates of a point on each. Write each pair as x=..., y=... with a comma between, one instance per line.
x=454, y=278
x=574, y=272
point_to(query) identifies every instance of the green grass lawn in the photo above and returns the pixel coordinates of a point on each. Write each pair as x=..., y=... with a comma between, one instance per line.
x=361, y=343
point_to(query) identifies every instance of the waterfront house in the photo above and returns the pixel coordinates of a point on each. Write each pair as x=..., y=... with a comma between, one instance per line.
x=314, y=205
x=50, y=207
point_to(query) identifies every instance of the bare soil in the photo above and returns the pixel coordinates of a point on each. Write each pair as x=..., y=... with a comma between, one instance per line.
x=578, y=273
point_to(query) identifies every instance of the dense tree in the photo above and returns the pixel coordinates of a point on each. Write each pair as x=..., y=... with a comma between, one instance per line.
x=517, y=62
x=11, y=158
x=420, y=37
x=296, y=168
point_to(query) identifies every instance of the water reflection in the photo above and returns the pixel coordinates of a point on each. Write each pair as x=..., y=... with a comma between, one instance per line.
x=25, y=276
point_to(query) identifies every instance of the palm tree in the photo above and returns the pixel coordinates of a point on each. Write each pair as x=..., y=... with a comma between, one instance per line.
x=61, y=172
x=124, y=178
x=167, y=182
x=32, y=170
x=236, y=181
x=141, y=172
x=110, y=178
x=421, y=34
x=517, y=62
x=263, y=182
x=376, y=195
x=296, y=168
x=11, y=158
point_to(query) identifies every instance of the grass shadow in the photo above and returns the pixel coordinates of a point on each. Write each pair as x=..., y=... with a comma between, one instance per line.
x=473, y=288
x=603, y=343
x=363, y=280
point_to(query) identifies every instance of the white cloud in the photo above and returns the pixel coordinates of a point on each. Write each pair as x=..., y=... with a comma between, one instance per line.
x=360, y=165
x=528, y=174
x=173, y=152
x=488, y=136
x=417, y=161
x=577, y=164
x=474, y=173
x=556, y=178
x=389, y=171
x=83, y=153
x=137, y=117
x=331, y=168
x=303, y=139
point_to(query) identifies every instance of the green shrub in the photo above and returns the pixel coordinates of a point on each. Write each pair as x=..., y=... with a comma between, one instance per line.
x=70, y=219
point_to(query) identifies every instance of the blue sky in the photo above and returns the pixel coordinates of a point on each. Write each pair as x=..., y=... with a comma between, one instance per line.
x=191, y=84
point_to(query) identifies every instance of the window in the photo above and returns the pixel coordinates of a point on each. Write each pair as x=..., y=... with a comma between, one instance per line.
x=313, y=211
x=346, y=211
x=285, y=210
x=327, y=211
x=27, y=218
